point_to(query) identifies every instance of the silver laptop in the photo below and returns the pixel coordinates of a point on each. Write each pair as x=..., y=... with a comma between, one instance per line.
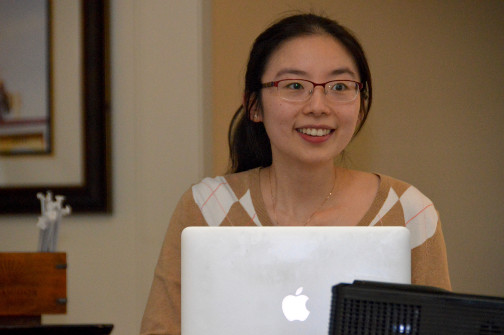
x=278, y=280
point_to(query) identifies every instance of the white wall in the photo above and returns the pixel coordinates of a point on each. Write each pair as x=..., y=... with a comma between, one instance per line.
x=159, y=125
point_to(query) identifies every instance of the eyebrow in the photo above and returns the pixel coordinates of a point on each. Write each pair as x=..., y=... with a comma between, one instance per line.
x=336, y=72
x=344, y=70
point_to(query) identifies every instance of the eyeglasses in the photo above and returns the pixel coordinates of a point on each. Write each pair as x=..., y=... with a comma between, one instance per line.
x=302, y=89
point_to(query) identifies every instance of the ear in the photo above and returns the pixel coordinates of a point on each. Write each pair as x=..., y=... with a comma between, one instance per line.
x=255, y=114
x=360, y=117
x=360, y=120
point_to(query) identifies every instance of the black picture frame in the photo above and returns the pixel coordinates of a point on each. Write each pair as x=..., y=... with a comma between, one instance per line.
x=94, y=194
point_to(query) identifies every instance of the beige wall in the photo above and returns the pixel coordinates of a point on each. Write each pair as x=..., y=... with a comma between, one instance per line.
x=158, y=143
x=438, y=115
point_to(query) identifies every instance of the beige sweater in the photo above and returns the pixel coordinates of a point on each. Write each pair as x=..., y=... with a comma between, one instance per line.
x=236, y=200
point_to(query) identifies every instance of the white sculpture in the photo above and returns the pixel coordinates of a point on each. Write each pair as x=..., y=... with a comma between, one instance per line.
x=50, y=220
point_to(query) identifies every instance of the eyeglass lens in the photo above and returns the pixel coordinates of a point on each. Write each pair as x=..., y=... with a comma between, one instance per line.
x=300, y=90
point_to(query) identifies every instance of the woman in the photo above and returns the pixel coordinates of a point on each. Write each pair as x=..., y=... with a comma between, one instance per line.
x=307, y=94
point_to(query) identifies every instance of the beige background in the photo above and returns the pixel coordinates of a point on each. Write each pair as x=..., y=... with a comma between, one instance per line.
x=437, y=123
x=437, y=119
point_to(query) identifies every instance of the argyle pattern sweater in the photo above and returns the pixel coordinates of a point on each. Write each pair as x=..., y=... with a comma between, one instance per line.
x=236, y=200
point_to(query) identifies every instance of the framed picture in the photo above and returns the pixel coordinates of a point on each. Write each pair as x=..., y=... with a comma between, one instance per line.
x=25, y=105
x=78, y=165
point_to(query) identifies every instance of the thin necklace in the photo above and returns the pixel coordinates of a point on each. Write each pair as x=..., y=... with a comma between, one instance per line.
x=273, y=199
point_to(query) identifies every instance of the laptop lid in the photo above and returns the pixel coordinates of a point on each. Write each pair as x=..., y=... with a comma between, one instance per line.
x=278, y=280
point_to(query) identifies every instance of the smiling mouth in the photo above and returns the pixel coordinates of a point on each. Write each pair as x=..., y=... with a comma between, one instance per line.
x=314, y=131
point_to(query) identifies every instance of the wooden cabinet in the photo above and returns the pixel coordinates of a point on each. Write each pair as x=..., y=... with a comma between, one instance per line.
x=32, y=284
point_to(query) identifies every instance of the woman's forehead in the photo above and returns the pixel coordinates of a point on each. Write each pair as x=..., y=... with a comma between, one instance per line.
x=319, y=55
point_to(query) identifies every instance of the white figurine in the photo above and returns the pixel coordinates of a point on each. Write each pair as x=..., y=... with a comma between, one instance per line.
x=49, y=221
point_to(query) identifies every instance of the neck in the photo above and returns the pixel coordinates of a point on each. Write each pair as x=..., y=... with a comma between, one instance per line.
x=299, y=192
x=303, y=181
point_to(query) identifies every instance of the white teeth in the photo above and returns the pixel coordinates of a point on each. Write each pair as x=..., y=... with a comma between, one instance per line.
x=314, y=132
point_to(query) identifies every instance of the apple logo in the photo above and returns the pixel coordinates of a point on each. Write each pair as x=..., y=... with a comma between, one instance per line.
x=294, y=307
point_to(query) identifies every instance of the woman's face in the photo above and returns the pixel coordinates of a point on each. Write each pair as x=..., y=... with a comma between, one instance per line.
x=318, y=129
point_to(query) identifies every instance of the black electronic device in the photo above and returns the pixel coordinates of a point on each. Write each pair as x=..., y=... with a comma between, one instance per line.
x=375, y=308
x=78, y=329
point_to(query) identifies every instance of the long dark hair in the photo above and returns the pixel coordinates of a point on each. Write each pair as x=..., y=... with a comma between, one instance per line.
x=249, y=145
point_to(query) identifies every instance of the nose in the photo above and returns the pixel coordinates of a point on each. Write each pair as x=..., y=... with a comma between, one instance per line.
x=321, y=85
x=317, y=103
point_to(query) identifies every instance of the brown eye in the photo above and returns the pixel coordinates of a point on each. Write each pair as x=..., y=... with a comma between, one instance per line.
x=294, y=86
x=339, y=87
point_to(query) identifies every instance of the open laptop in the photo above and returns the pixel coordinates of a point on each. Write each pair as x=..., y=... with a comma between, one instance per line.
x=278, y=280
